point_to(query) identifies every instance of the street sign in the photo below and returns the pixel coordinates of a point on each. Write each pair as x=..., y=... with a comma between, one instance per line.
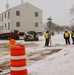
x=50, y=28
x=49, y=19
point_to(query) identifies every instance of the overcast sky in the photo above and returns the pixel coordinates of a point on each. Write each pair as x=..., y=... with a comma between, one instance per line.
x=57, y=9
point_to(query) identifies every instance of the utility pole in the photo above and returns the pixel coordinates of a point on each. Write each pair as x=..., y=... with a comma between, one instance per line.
x=7, y=5
x=21, y=1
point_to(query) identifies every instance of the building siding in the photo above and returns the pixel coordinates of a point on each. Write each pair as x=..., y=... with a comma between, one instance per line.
x=27, y=18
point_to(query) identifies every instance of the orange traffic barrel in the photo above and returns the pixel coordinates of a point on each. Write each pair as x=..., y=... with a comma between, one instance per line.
x=18, y=60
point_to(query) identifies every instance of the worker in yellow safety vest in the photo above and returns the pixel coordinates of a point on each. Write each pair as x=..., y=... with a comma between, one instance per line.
x=47, y=37
x=67, y=37
x=72, y=36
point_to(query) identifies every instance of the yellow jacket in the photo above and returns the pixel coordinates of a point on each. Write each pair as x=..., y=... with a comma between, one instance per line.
x=66, y=35
x=47, y=35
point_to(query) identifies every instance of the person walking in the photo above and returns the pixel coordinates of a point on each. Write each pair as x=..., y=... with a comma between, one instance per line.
x=47, y=37
x=72, y=36
x=67, y=37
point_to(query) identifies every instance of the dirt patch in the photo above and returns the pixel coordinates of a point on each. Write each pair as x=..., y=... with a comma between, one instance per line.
x=33, y=53
x=32, y=57
x=4, y=45
x=4, y=65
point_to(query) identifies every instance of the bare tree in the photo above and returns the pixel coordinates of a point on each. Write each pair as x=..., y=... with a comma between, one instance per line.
x=72, y=14
x=56, y=28
x=45, y=27
x=72, y=10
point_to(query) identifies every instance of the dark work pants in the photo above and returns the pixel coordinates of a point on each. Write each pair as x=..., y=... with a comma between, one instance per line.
x=72, y=40
x=47, y=42
x=67, y=40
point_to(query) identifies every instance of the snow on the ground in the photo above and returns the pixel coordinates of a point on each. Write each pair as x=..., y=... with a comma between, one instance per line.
x=55, y=60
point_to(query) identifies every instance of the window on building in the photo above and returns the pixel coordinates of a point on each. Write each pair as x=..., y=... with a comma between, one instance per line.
x=17, y=24
x=17, y=13
x=2, y=17
x=8, y=25
x=5, y=15
x=36, y=24
x=8, y=13
x=5, y=25
x=36, y=14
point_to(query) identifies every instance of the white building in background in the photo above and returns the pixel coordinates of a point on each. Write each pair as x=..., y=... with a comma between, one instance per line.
x=24, y=18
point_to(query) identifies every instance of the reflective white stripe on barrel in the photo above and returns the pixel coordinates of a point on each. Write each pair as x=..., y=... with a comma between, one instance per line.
x=18, y=57
x=18, y=68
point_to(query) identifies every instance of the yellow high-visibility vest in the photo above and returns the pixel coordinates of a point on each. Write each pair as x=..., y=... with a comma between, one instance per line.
x=47, y=35
x=73, y=35
x=66, y=34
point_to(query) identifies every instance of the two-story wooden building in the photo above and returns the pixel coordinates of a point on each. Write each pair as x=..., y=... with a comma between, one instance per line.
x=25, y=17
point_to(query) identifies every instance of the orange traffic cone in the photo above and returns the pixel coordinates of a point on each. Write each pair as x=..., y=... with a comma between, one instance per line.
x=18, y=60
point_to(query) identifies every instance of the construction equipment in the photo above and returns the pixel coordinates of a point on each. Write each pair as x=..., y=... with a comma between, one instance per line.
x=31, y=36
x=15, y=34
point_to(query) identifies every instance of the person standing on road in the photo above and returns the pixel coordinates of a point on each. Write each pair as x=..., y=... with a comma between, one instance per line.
x=67, y=37
x=72, y=36
x=47, y=37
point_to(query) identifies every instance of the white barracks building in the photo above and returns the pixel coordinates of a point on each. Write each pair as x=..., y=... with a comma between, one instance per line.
x=24, y=18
